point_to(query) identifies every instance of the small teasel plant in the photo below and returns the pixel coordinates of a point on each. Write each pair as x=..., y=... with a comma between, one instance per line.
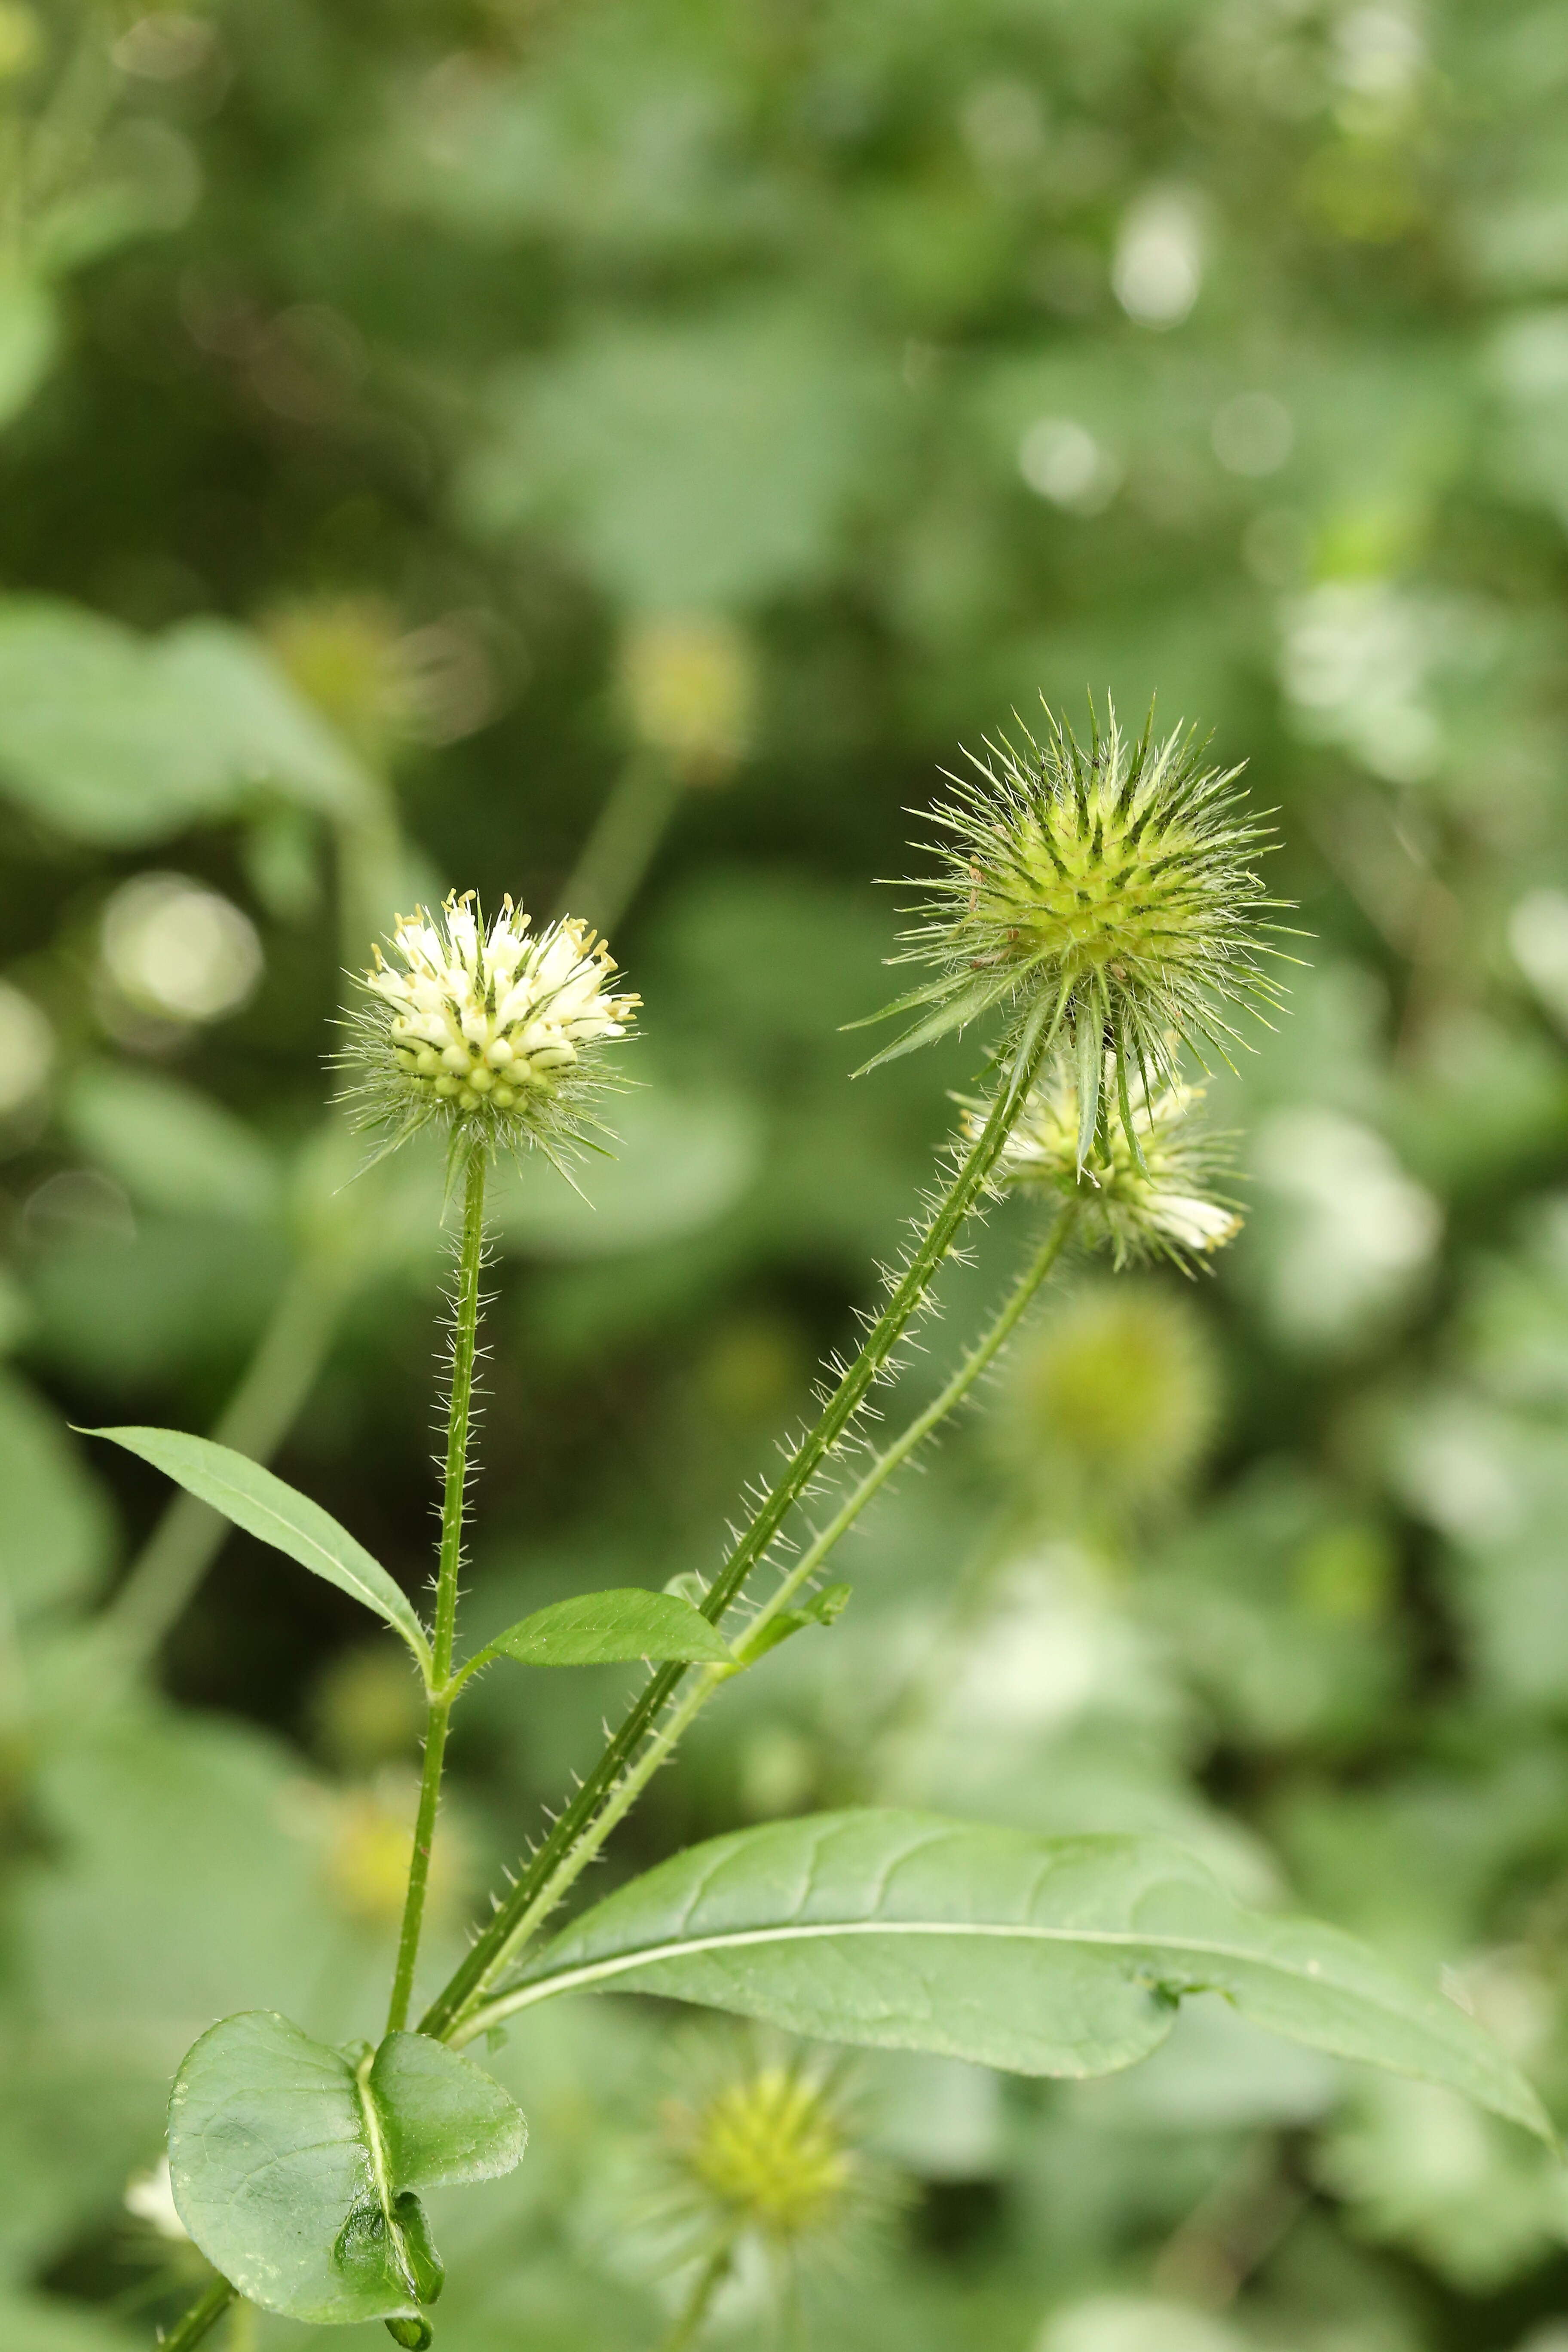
x=1096, y=904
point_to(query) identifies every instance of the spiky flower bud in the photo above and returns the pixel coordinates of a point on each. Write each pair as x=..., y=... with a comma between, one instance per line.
x=1105, y=885
x=1142, y=1195
x=497, y=1034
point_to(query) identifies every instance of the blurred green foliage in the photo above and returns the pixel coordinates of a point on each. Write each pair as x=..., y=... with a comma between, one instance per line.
x=427, y=428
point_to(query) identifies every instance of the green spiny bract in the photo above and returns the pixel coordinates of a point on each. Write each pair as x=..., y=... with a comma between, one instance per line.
x=1107, y=881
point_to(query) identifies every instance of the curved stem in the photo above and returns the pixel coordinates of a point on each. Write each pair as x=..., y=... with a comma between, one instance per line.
x=695, y=2309
x=257, y=1419
x=464, y=1338
x=623, y=842
x=203, y=2315
x=669, y=1733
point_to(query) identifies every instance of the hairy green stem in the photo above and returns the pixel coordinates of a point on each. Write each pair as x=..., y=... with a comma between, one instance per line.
x=494, y=1945
x=203, y=2316
x=663, y=1741
x=465, y=1337
x=623, y=842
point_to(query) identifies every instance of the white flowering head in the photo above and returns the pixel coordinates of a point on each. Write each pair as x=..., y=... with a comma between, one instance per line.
x=497, y=1034
x=1144, y=1199
x=1102, y=889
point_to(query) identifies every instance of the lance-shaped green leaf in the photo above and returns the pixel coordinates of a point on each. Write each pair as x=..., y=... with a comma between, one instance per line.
x=1042, y=1956
x=296, y=2168
x=264, y=1505
x=602, y=1629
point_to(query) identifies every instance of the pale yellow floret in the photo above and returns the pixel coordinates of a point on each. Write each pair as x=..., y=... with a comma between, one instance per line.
x=468, y=1005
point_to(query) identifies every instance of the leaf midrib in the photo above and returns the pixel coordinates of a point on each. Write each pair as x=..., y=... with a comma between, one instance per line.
x=393, y=1603
x=805, y=1931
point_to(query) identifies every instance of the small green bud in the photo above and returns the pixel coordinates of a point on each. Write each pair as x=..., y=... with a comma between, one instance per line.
x=414, y=2335
x=1113, y=1403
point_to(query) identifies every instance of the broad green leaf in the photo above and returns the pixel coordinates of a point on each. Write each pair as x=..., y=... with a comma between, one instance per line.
x=116, y=738
x=263, y=732
x=172, y=1146
x=264, y=1505
x=296, y=2168
x=1041, y=1955
x=601, y=1628
x=697, y=462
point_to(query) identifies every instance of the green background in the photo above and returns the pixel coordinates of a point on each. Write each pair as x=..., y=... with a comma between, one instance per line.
x=425, y=426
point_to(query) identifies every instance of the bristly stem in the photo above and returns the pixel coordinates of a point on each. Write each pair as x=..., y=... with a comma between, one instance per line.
x=493, y=1946
x=675, y=1725
x=203, y=2316
x=459, y=1405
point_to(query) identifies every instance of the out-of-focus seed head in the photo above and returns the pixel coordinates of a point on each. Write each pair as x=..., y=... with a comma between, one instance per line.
x=1142, y=1191
x=690, y=686
x=1113, y=1403
x=1107, y=882
x=341, y=653
x=362, y=1835
x=759, y=2150
x=497, y=1034
x=767, y=2146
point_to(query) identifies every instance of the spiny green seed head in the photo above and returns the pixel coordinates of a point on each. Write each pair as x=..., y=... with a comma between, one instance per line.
x=1113, y=1403
x=760, y=2146
x=769, y=2147
x=1107, y=879
x=1142, y=1192
x=495, y=1033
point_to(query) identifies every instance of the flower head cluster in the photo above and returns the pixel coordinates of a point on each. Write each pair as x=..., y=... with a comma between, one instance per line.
x=1103, y=886
x=495, y=1032
x=1142, y=1195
